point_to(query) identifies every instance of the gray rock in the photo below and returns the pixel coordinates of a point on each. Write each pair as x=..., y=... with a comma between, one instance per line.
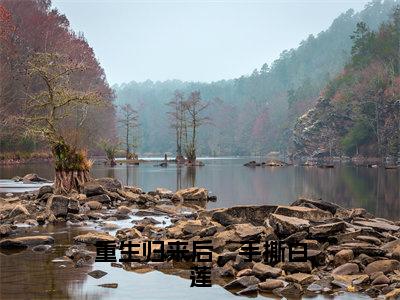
x=109, y=184
x=346, y=269
x=264, y=271
x=292, y=290
x=41, y=248
x=378, y=225
x=97, y=274
x=58, y=205
x=385, y=266
x=270, y=284
x=382, y=279
x=224, y=257
x=242, y=263
x=93, y=189
x=329, y=229
x=26, y=241
x=294, y=267
x=94, y=205
x=254, y=214
x=46, y=189
x=33, y=178
x=343, y=256
x=242, y=282
x=252, y=289
x=306, y=213
x=284, y=225
x=73, y=206
x=327, y=206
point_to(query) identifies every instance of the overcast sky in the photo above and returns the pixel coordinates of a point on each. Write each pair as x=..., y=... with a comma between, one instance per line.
x=203, y=40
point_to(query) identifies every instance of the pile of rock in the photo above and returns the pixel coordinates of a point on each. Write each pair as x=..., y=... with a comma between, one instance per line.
x=347, y=249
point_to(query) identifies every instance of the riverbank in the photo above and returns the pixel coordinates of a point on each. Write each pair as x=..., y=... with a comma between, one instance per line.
x=348, y=250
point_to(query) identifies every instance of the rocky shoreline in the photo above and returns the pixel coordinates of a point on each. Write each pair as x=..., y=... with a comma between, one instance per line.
x=348, y=250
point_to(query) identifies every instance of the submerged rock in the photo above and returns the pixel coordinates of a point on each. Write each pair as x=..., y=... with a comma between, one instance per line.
x=242, y=282
x=109, y=285
x=97, y=274
x=191, y=194
x=26, y=241
x=93, y=237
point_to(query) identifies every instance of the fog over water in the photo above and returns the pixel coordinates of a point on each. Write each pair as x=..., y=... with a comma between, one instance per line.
x=195, y=40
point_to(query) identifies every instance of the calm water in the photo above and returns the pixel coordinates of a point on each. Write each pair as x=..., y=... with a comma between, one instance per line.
x=376, y=189
x=30, y=275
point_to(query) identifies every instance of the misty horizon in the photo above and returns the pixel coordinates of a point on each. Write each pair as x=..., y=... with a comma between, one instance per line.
x=211, y=51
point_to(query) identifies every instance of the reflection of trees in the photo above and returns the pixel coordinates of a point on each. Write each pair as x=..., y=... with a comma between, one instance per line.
x=188, y=181
x=178, y=177
x=111, y=172
x=376, y=190
x=190, y=176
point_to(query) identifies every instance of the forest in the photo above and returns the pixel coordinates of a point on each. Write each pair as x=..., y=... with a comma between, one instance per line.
x=254, y=114
x=358, y=113
x=33, y=33
x=250, y=115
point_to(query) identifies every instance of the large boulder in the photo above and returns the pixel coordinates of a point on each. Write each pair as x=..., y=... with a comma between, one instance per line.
x=92, y=188
x=242, y=282
x=94, y=205
x=33, y=178
x=346, y=269
x=164, y=193
x=254, y=214
x=323, y=205
x=379, y=225
x=271, y=284
x=247, y=232
x=26, y=241
x=264, y=271
x=295, y=267
x=343, y=256
x=284, y=225
x=385, y=266
x=301, y=212
x=58, y=205
x=93, y=237
x=128, y=234
x=326, y=230
x=191, y=194
x=46, y=189
x=109, y=184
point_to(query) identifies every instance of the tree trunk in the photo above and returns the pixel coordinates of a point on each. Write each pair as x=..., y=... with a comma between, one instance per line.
x=67, y=181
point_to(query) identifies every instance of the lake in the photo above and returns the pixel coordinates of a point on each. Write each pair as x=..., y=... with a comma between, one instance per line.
x=30, y=275
x=375, y=189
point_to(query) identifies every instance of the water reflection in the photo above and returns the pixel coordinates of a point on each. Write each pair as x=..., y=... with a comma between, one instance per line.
x=375, y=189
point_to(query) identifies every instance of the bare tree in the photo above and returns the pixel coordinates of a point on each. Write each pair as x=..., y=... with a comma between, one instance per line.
x=195, y=109
x=129, y=122
x=46, y=112
x=178, y=119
